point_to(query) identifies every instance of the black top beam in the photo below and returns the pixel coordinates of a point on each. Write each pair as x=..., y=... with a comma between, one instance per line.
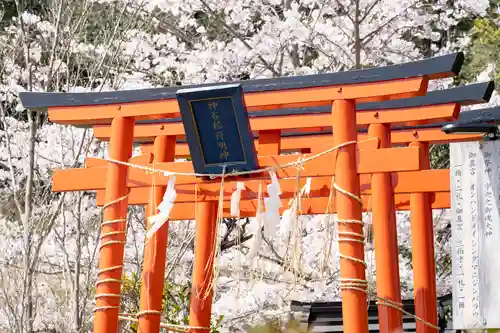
x=488, y=115
x=447, y=65
x=464, y=95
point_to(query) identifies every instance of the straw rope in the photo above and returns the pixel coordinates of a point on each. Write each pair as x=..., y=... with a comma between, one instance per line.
x=297, y=164
x=146, y=277
x=344, y=236
x=361, y=285
x=148, y=312
x=329, y=231
x=109, y=269
x=296, y=235
x=213, y=270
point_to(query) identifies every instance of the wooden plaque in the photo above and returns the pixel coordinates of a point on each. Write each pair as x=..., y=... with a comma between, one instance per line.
x=217, y=129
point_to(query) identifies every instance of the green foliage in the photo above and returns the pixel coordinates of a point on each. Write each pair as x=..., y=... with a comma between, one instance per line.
x=274, y=326
x=131, y=291
x=175, y=303
x=484, y=47
x=439, y=156
x=217, y=324
x=482, y=51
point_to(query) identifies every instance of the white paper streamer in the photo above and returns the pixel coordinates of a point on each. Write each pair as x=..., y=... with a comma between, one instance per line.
x=272, y=216
x=164, y=207
x=274, y=188
x=306, y=190
x=257, y=237
x=290, y=214
x=272, y=205
x=287, y=219
x=235, y=199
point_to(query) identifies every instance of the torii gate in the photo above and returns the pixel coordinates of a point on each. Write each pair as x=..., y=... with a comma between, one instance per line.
x=404, y=182
x=315, y=98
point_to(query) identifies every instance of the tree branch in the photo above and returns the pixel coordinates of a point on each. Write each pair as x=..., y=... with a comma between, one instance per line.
x=241, y=39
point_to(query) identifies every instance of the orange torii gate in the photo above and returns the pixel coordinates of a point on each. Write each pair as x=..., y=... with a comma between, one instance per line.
x=418, y=183
x=339, y=92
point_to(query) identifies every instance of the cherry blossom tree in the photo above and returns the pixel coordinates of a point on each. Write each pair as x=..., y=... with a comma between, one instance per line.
x=49, y=242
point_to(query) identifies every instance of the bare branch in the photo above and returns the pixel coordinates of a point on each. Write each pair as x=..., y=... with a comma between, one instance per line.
x=237, y=35
x=369, y=10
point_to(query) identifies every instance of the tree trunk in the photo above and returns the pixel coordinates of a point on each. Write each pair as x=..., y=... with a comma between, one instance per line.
x=357, y=39
x=76, y=285
x=27, y=229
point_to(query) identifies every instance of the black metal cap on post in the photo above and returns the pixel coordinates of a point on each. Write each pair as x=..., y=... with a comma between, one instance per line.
x=490, y=131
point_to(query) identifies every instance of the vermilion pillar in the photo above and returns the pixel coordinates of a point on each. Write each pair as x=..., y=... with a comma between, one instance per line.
x=153, y=272
x=422, y=239
x=113, y=230
x=204, y=252
x=385, y=238
x=354, y=310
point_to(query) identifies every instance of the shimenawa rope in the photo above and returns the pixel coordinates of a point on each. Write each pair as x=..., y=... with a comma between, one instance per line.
x=345, y=283
x=296, y=163
x=147, y=277
x=171, y=327
x=362, y=284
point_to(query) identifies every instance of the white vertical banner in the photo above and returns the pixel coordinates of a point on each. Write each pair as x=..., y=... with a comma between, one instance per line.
x=475, y=204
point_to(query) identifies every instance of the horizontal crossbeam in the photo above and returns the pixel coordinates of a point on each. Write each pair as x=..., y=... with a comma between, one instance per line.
x=311, y=142
x=403, y=182
x=310, y=206
x=147, y=132
x=145, y=158
x=441, y=105
x=387, y=160
x=315, y=143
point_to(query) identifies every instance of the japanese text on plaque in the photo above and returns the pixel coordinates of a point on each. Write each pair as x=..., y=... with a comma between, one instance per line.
x=219, y=134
